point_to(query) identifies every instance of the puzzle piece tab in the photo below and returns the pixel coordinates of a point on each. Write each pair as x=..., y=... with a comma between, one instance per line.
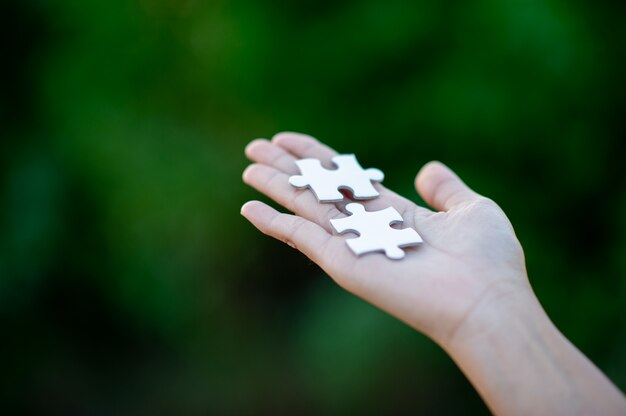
x=326, y=183
x=375, y=233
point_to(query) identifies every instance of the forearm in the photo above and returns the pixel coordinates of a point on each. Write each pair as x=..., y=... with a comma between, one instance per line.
x=522, y=365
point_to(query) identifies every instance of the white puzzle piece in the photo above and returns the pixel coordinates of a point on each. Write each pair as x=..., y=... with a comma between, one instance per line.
x=326, y=183
x=375, y=233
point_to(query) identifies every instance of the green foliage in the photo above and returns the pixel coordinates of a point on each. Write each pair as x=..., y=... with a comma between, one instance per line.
x=128, y=281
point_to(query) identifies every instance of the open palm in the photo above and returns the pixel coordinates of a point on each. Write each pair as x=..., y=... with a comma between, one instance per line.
x=469, y=257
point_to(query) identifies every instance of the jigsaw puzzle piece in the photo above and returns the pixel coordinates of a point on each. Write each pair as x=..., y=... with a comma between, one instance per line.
x=326, y=183
x=360, y=246
x=356, y=179
x=317, y=178
x=375, y=232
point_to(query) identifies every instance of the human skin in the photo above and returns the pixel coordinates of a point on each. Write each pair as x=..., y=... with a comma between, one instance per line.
x=465, y=287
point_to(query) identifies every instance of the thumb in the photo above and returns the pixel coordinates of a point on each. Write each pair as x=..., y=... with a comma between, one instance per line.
x=441, y=188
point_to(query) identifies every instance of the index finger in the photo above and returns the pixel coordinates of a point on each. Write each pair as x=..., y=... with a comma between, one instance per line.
x=304, y=146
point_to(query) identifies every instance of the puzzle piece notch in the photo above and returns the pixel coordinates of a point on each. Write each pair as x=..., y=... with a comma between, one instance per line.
x=326, y=183
x=375, y=233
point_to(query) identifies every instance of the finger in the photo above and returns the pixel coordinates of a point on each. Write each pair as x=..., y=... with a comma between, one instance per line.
x=275, y=184
x=441, y=188
x=305, y=236
x=267, y=153
x=303, y=146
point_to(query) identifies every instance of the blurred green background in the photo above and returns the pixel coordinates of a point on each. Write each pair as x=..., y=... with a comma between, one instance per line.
x=130, y=284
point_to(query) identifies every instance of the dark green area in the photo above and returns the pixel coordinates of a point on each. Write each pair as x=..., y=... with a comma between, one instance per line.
x=129, y=284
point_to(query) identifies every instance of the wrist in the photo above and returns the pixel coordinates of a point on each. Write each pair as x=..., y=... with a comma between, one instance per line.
x=520, y=363
x=508, y=310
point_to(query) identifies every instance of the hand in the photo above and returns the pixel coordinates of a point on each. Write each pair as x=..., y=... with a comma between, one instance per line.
x=465, y=286
x=470, y=258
